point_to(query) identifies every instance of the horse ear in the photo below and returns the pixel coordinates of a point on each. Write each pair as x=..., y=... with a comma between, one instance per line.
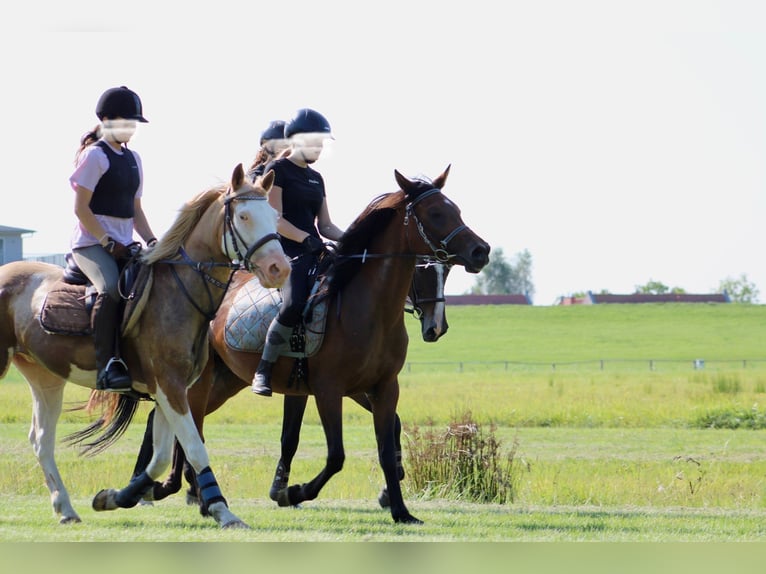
x=267, y=180
x=238, y=177
x=403, y=182
x=442, y=179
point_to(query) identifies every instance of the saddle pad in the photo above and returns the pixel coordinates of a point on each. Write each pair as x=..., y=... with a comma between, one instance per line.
x=64, y=311
x=251, y=313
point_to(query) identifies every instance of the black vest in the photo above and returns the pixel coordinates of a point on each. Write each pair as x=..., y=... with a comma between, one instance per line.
x=117, y=188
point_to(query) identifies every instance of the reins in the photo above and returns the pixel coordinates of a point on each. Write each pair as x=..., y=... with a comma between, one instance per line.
x=438, y=255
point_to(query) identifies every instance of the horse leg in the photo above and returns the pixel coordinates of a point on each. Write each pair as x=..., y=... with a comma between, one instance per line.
x=47, y=399
x=383, y=499
x=294, y=407
x=143, y=481
x=385, y=417
x=182, y=425
x=330, y=408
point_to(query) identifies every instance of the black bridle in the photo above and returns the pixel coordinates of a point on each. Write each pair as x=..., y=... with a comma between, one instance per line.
x=236, y=236
x=438, y=254
x=237, y=263
x=416, y=300
x=441, y=253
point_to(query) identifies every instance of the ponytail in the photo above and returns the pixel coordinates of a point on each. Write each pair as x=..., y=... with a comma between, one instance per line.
x=88, y=139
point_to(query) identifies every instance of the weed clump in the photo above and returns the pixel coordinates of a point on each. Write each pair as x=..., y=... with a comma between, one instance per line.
x=462, y=462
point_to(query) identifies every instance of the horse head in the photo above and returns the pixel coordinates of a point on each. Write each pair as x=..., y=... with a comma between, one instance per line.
x=250, y=233
x=439, y=226
x=428, y=300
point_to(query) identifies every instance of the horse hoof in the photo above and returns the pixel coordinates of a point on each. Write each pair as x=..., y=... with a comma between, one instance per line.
x=283, y=498
x=191, y=500
x=236, y=524
x=69, y=520
x=105, y=500
x=383, y=499
x=407, y=519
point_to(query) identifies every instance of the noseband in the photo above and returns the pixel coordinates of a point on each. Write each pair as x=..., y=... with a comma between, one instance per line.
x=236, y=236
x=440, y=253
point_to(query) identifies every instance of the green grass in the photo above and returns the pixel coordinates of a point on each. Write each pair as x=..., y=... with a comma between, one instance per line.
x=619, y=453
x=674, y=332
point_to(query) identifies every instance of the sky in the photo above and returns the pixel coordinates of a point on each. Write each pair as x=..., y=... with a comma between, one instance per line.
x=619, y=142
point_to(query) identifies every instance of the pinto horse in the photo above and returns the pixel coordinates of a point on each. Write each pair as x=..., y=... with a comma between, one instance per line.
x=215, y=233
x=365, y=340
x=427, y=304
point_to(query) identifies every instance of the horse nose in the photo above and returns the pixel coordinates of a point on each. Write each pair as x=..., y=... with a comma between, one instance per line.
x=480, y=256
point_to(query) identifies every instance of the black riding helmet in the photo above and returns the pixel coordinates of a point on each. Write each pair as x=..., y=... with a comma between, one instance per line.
x=307, y=121
x=120, y=103
x=275, y=131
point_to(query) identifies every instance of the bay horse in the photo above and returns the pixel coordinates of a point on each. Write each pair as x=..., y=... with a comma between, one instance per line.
x=365, y=339
x=426, y=302
x=215, y=233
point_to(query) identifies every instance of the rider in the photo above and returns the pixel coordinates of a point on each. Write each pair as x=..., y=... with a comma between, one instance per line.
x=273, y=143
x=108, y=184
x=298, y=195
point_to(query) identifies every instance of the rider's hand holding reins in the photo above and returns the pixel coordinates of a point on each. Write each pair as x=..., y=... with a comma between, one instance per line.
x=312, y=245
x=117, y=249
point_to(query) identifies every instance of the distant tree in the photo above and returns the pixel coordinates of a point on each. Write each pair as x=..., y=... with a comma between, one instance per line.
x=739, y=290
x=503, y=277
x=657, y=288
x=654, y=287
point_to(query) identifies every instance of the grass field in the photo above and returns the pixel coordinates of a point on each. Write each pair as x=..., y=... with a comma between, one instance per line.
x=614, y=452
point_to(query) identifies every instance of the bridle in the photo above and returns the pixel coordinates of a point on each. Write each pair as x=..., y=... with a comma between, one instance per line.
x=416, y=300
x=237, y=263
x=236, y=236
x=440, y=253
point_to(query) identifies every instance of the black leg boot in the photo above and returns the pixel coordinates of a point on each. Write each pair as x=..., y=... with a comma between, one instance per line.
x=112, y=372
x=277, y=338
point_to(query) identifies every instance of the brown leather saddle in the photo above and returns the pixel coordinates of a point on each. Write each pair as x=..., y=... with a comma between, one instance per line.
x=69, y=303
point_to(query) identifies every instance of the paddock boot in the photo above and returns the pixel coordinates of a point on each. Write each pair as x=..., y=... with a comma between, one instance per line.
x=112, y=371
x=277, y=338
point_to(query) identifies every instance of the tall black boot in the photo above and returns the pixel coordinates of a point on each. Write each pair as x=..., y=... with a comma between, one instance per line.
x=112, y=372
x=277, y=338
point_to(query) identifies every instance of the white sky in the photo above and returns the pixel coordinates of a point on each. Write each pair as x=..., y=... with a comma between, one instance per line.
x=620, y=142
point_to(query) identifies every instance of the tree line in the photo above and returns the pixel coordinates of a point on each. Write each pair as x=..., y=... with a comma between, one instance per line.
x=510, y=276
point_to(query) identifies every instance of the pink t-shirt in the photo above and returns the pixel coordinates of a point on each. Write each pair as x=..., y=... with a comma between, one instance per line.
x=92, y=164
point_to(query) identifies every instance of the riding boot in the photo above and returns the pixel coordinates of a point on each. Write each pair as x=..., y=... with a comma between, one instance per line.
x=277, y=338
x=112, y=371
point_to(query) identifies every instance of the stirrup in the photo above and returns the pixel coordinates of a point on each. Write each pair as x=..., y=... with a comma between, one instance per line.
x=105, y=382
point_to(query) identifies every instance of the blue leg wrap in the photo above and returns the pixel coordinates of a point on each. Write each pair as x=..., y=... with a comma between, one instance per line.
x=209, y=491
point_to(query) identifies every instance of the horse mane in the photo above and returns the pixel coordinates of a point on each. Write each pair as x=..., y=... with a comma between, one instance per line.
x=188, y=217
x=368, y=225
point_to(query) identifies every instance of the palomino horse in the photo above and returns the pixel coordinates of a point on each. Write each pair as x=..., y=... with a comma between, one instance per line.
x=365, y=340
x=427, y=304
x=215, y=233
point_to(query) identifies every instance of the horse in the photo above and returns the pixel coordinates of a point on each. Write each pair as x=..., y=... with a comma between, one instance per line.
x=215, y=233
x=426, y=302
x=365, y=339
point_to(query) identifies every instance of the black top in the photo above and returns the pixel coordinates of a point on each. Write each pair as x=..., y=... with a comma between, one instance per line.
x=302, y=196
x=117, y=188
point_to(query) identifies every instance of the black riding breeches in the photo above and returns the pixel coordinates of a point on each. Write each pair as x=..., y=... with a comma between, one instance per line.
x=297, y=291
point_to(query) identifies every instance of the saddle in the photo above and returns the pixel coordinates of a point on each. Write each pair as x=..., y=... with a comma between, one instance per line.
x=69, y=303
x=253, y=309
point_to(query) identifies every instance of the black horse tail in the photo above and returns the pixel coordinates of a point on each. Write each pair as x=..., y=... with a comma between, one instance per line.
x=118, y=411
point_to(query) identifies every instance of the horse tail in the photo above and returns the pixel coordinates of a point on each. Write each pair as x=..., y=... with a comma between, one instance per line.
x=117, y=413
